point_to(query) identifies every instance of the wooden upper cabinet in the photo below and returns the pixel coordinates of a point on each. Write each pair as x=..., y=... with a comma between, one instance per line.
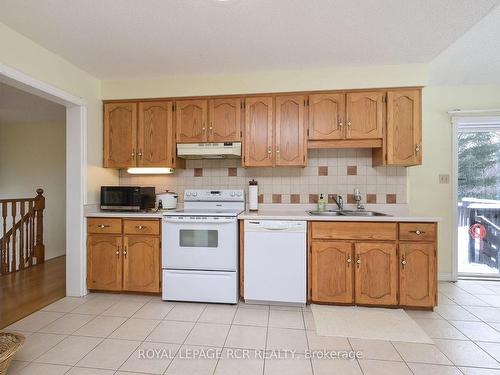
x=259, y=131
x=155, y=135
x=326, y=116
x=404, y=127
x=191, y=120
x=291, y=134
x=141, y=264
x=120, y=135
x=225, y=120
x=376, y=273
x=332, y=272
x=364, y=115
x=417, y=274
x=104, y=264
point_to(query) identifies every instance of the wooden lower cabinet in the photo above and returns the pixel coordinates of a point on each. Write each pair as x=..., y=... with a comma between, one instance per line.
x=332, y=270
x=141, y=262
x=417, y=274
x=353, y=267
x=124, y=261
x=376, y=273
x=104, y=262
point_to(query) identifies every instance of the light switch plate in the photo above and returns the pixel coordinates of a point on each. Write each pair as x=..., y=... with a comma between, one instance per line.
x=444, y=178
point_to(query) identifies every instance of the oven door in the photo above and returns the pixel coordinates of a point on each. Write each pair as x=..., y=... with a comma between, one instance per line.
x=200, y=243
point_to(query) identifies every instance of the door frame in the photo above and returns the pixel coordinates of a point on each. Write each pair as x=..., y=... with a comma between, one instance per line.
x=76, y=170
x=477, y=120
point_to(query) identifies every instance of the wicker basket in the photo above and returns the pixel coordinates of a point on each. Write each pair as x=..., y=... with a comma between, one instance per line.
x=10, y=343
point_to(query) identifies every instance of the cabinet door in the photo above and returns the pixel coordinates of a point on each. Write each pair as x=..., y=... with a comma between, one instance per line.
x=141, y=264
x=376, y=275
x=291, y=144
x=404, y=127
x=331, y=272
x=259, y=132
x=104, y=262
x=364, y=115
x=417, y=274
x=155, y=135
x=225, y=120
x=326, y=116
x=191, y=120
x=120, y=135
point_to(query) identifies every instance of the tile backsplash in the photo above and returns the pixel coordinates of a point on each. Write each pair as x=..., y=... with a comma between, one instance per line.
x=329, y=171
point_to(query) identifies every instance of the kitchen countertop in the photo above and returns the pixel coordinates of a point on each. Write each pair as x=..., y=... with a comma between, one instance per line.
x=292, y=212
x=94, y=211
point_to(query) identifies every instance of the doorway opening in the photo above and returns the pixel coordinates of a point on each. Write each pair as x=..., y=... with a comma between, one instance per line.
x=478, y=197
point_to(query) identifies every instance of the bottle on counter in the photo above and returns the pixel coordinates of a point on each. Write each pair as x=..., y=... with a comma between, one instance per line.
x=253, y=195
x=321, y=203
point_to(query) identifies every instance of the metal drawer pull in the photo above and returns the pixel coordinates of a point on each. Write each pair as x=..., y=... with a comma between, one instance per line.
x=140, y=227
x=417, y=232
x=102, y=226
x=349, y=260
x=358, y=261
x=403, y=262
x=118, y=252
x=125, y=252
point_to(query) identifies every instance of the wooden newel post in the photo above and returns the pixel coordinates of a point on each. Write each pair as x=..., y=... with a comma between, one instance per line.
x=39, y=246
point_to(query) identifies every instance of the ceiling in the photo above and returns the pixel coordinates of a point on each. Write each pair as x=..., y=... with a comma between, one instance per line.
x=20, y=107
x=472, y=59
x=135, y=39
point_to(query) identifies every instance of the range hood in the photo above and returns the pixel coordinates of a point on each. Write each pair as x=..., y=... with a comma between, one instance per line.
x=226, y=150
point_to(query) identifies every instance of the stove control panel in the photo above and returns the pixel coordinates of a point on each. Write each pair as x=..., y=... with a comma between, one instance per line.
x=209, y=195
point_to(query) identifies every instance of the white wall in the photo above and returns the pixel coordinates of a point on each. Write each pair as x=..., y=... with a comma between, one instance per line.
x=32, y=156
x=22, y=54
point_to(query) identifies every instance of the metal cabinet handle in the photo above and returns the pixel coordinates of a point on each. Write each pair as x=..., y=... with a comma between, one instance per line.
x=102, y=226
x=418, y=232
x=125, y=252
x=358, y=261
x=403, y=262
x=417, y=147
x=211, y=127
x=349, y=260
x=140, y=227
x=133, y=153
x=204, y=128
x=340, y=125
x=269, y=152
x=277, y=149
x=118, y=252
x=349, y=124
x=140, y=154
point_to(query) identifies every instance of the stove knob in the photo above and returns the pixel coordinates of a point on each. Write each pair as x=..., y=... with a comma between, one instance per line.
x=233, y=193
x=238, y=193
x=188, y=194
x=195, y=193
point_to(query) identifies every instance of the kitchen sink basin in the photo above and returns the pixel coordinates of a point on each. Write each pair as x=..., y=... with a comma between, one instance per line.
x=346, y=213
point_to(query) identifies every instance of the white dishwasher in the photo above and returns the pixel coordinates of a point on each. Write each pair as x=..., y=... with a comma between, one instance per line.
x=275, y=261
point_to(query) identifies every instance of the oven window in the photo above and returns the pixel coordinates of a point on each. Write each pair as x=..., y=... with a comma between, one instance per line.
x=198, y=238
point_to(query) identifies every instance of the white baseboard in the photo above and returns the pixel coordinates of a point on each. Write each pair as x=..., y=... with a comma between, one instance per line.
x=445, y=276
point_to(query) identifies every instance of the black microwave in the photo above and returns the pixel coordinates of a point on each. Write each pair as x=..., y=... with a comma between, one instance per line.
x=127, y=198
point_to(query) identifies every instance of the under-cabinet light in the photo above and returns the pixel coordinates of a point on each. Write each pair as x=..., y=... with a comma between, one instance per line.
x=150, y=170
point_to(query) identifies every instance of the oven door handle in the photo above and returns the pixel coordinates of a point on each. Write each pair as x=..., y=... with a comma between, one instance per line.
x=200, y=221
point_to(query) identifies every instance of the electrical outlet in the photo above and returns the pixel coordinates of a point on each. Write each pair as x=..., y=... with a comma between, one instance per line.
x=444, y=178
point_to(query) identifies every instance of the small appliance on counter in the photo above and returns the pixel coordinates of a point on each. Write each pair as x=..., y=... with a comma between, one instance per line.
x=253, y=195
x=166, y=201
x=127, y=198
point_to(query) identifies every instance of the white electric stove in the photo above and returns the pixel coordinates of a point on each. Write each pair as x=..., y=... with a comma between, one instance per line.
x=200, y=247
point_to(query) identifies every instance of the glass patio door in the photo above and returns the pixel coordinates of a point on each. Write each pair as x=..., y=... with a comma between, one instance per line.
x=478, y=198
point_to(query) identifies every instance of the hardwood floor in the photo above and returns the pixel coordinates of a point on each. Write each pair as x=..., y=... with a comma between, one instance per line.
x=26, y=291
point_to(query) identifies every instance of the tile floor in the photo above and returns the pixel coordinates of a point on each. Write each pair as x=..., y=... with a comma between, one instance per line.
x=105, y=334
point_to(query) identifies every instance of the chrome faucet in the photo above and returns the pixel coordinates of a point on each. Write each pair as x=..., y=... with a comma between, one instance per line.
x=339, y=201
x=357, y=199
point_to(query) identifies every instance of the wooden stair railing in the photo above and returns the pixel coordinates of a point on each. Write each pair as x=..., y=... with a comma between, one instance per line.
x=21, y=244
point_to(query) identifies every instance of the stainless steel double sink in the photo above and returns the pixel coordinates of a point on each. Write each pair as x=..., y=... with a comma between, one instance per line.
x=346, y=213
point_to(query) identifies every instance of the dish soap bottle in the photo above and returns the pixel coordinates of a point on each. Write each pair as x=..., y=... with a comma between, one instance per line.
x=321, y=203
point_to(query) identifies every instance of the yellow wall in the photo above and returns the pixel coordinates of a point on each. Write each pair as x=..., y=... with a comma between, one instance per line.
x=20, y=53
x=32, y=156
x=426, y=196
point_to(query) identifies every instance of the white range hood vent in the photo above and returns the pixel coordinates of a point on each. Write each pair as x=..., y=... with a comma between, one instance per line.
x=226, y=150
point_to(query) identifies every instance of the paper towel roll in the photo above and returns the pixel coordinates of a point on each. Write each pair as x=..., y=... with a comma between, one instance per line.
x=253, y=197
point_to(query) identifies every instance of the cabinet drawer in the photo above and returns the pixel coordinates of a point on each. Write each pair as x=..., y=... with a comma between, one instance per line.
x=417, y=231
x=104, y=225
x=353, y=231
x=141, y=227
